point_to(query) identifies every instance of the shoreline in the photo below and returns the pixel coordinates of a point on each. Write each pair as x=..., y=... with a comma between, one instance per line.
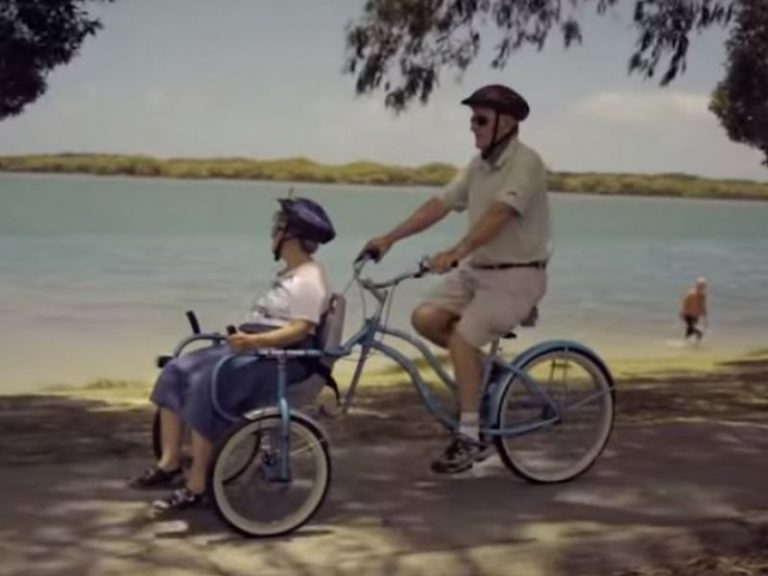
x=657, y=354
x=304, y=171
x=390, y=378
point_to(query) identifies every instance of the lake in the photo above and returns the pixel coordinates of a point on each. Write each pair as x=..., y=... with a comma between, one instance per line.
x=96, y=273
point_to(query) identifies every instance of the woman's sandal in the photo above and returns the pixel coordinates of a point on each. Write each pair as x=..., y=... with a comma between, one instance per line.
x=179, y=499
x=155, y=477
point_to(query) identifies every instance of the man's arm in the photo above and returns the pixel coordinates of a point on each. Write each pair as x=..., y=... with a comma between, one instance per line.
x=485, y=230
x=426, y=215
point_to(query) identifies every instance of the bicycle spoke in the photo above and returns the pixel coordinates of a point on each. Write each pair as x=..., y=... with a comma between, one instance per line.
x=574, y=427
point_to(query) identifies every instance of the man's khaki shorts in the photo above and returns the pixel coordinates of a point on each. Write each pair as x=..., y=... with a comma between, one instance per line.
x=490, y=302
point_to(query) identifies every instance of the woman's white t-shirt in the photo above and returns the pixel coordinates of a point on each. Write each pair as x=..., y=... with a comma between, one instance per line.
x=299, y=294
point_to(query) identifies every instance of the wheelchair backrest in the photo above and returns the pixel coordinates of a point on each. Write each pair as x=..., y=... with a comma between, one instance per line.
x=329, y=334
x=331, y=328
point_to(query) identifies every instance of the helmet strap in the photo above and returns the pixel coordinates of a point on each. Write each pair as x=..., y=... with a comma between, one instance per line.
x=492, y=152
x=495, y=140
x=279, y=246
x=284, y=237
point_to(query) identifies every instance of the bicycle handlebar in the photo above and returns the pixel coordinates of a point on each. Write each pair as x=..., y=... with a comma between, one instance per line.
x=421, y=270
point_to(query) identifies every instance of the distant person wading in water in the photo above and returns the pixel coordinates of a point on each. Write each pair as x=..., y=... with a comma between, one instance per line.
x=694, y=309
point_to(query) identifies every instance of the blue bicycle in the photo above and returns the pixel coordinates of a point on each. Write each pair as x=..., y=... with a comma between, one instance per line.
x=549, y=413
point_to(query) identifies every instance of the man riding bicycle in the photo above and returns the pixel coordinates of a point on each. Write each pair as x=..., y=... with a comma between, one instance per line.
x=501, y=272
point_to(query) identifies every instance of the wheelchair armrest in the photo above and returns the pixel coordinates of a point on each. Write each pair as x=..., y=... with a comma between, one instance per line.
x=214, y=338
x=279, y=353
x=285, y=353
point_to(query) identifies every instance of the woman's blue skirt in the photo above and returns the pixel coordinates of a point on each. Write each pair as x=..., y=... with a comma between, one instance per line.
x=184, y=386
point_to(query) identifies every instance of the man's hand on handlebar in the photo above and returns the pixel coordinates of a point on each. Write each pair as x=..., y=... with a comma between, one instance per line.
x=436, y=264
x=442, y=262
x=375, y=249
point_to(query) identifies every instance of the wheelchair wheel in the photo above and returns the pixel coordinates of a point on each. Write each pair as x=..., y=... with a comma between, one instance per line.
x=573, y=432
x=245, y=483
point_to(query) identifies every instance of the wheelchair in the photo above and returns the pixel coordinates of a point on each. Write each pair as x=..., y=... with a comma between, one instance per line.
x=271, y=472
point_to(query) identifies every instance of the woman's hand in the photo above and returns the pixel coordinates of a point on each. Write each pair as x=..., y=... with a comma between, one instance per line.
x=241, y=342
x=281, y=337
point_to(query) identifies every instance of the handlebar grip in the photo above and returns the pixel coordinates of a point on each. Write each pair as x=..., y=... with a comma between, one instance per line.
x=194, y=324
x=371, y=253
x=231, y=329
x=424, y=267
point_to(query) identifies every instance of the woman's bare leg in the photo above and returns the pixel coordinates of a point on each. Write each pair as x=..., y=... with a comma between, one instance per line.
x=201, y=455
x=171, y=429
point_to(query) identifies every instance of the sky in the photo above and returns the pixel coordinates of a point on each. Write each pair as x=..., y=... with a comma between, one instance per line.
x=263, y=79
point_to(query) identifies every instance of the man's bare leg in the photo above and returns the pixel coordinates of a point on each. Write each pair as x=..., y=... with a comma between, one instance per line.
x=467, y=448
x=434, y=323
x=468, y=367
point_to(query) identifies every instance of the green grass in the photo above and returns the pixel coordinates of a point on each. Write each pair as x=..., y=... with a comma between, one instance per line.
x=392, y=377
x=119, y=391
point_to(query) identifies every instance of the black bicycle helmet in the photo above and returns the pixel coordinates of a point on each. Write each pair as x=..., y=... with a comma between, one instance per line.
x=305, y=218
x=500, y=98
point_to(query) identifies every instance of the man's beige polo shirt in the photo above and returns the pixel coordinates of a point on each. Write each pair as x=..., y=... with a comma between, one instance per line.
x=518, y=178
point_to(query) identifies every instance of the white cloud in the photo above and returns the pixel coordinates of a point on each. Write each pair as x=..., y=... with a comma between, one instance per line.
x=638, y=108
x=639, y=131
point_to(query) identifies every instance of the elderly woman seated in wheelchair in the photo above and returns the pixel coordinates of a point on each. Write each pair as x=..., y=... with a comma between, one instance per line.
x=285, y=317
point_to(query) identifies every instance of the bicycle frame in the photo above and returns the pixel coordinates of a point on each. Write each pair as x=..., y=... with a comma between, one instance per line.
x=366, y=338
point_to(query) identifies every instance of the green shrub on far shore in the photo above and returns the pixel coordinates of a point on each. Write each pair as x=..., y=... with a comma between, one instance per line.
x=371, y=173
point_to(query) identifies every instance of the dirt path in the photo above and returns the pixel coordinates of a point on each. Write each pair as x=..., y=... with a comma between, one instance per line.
x=680, y=490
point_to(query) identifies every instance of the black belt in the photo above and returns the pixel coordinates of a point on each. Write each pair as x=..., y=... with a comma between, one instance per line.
x=540, y=264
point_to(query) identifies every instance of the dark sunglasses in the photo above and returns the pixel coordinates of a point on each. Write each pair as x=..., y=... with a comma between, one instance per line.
x=480, y=121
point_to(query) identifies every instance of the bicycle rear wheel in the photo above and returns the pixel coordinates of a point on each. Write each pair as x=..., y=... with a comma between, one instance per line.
x=244, y=480
x=574, y=429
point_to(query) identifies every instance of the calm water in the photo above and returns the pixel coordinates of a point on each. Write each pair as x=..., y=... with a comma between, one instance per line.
x=95, y=273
